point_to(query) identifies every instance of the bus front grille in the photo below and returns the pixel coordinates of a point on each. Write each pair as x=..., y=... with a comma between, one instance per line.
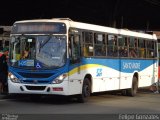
x=35, y=75
x=35, y=87
x=33, y=81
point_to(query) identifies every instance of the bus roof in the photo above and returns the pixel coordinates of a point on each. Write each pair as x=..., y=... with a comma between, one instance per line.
x=93, y=27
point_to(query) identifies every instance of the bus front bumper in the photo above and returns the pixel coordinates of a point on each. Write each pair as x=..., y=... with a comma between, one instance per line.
x=44, y=89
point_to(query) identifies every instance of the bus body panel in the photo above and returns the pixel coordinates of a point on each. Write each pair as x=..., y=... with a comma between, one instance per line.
x=149, y=75
x=111, y=74
x=104, y=78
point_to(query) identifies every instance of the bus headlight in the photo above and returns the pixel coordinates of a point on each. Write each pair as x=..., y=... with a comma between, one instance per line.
x=59, y=79
x=13, y=78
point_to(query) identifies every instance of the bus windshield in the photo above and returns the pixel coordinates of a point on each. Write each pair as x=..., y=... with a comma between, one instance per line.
x=37, y=51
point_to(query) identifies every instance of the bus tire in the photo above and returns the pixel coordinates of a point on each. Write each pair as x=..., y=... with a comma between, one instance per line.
x=133, y=90
x=86, y=91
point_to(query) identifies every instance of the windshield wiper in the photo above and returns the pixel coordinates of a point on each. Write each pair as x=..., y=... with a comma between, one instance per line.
x=45, y=41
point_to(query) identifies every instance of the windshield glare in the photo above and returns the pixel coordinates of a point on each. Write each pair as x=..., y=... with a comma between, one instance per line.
x=37, y=52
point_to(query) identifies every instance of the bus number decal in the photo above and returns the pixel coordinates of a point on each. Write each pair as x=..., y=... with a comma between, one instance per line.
x=26, y=63
x=22, y=63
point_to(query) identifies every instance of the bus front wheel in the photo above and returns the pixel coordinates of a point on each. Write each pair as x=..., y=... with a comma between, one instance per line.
x=86, y=91
x=133, y=90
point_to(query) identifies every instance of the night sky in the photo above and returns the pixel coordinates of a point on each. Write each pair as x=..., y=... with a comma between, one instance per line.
x=131, y=14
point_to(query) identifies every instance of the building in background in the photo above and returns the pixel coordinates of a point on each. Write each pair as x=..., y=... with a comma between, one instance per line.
x=4, y=36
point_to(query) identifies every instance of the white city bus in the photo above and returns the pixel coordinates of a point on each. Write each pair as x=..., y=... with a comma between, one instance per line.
x=74, y=58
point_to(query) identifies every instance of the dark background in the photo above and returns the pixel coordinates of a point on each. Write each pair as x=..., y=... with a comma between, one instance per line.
x=130, y=14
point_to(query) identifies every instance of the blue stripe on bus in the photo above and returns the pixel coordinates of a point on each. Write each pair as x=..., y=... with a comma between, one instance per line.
x=123, y=65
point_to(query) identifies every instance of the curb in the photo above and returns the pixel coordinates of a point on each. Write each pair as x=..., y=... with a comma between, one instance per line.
x=146, y=89
x=5, y=96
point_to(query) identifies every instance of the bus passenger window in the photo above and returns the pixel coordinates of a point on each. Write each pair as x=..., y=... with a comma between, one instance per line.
x=87, y=44
x=133, y=47
x=132, y=53
x=85, y=51
x=142, y=49
x=112, y=49
x=74, y=48
x=150, y=49
x=88, y=50
x=99, y=44
x=123, y=52
x=123, y=46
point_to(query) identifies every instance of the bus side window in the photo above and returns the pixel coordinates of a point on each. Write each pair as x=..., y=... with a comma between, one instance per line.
x=142, y=48
x=87, y=44
x=151, y=49
x=112, y=49
x=133, y=47
x=88, y=50
x=99, y=44
x=85, y=51
x=123, y=46
x=74, y=48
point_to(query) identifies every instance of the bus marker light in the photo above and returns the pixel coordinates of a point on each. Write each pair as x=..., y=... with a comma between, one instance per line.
x=48, y=89
x=57, y=89
x=21, y=88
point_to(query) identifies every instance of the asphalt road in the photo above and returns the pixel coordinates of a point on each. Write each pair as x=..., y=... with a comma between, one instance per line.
x=143, y=103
